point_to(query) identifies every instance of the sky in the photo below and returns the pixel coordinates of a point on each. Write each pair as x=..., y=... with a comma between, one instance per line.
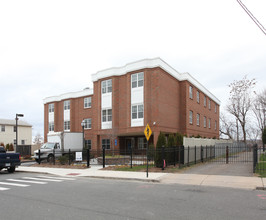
x=49, y=48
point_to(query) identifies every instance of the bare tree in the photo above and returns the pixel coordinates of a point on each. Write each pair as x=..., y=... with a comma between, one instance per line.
x=240, y=101
x=259, y=109
x=227, y=127
x=38, y=139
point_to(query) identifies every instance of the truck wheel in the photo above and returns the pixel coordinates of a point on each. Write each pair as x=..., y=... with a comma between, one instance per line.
x=50, y=158
x=11, y=169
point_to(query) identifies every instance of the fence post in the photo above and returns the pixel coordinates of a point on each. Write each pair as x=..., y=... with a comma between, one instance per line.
x=88, y=157
x=163, y=157
x=131, y=156
x=179, y=159
x=255, y=157
x=39, y=157
x=69, y=157
x=188, y=156
x=54, y=156
x=201, y=153
x=227, y=154
x=174, y=155
x=206, y=153
x=195, y=154
x=103, y=157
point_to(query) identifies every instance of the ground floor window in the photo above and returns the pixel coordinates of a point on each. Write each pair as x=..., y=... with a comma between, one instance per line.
x=51, y=126
x=67, y=125
x=87, y=144
x=142, y=143
x=106, y=144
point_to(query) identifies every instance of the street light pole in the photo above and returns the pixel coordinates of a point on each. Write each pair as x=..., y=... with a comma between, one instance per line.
x=17, y=115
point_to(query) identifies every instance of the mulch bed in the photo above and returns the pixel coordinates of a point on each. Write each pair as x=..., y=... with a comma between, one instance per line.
x=57, y=165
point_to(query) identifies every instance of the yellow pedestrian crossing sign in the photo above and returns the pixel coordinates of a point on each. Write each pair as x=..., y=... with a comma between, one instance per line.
x=147, y=132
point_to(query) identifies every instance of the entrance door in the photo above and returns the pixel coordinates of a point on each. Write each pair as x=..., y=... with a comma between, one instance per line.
x=128, y=144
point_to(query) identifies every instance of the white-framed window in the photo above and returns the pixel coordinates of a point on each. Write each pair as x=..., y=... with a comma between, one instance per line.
x=106, y=115
x=209, y=104
x=88, y=144
x=137, y=80
x=215, y=125
x=198, y=97
x=205, y=101
x=205, y=122
x=51, y=107
x=137, y=111
x=22, y=142
x=209, y=123
x=107, y=86
x=67, y=105
x=142, y=143
x=87, y=102
x=87, y=124
x=51, y=126
x=198, y=119
x=190, y=117
x=106, y=144
x=3, y=128
x=191, y=92
x=66, y=125
x=215, y=108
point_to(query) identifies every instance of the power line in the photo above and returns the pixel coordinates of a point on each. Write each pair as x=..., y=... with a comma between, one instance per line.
x=252, y=17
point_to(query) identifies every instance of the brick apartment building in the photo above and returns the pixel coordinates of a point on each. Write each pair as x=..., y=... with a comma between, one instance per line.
x=124, y=99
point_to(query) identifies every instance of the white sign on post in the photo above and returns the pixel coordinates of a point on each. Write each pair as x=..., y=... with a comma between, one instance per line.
x=78, y=156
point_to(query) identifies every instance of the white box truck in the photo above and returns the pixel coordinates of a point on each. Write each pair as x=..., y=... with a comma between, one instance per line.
x=59, y=143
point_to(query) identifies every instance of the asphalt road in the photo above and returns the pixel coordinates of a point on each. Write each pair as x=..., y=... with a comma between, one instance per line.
x=86, y=198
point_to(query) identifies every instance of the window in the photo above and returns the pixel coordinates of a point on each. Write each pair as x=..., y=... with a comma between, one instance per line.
x=190, y=117
x=106, y=86
x=15, y=129
x=87, y=102
x=209, y=123
x=67, y=125
x=137, y=80
x=3, y=128
x=51, y=107
x=67, y=105
x=198, y=119
x=191, y=92
x=205, y=122
x=106, y=115
x=198, y=97
x=22, y=142
x=87, y=144
x=51, y=126
x=87, y=123
x=137, y=111
x=205, y=101
x=106, y=144
x=142, y=143
x=209, y=104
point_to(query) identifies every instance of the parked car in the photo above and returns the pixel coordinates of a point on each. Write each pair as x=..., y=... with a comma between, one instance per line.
x=9, y=161
x=59, y=143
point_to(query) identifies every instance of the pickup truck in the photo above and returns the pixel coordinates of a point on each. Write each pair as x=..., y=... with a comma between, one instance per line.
x=9, y=161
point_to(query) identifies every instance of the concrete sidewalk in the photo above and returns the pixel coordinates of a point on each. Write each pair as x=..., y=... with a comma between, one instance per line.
x=241, y=182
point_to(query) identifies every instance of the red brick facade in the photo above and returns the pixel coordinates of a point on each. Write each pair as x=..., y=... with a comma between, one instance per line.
x=166, y=109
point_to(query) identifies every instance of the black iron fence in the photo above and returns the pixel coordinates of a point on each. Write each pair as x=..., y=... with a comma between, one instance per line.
x=24, y=150
x=169, y=156
x=259, y=160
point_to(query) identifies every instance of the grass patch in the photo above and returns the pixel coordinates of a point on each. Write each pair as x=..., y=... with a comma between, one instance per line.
x=263, y=157
x=128, y=168
x=261, y=169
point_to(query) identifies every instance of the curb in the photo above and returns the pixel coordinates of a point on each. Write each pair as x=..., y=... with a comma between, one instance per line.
x=122, y=178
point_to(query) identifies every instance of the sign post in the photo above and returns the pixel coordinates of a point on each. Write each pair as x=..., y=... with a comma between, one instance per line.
x=147, y=133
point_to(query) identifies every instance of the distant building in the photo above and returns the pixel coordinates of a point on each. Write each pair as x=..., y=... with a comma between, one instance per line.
x=8, y=132
x=124, y=99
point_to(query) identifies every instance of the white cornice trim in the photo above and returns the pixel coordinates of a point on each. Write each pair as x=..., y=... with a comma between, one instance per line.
x=70, y=95
x=152, y=63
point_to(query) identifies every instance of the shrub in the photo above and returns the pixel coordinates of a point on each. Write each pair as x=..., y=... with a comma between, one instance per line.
x=7, y=147
x=63, y=159
x=151, y=152
x=160, y=143
x=11, y=147
x=179, y=139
